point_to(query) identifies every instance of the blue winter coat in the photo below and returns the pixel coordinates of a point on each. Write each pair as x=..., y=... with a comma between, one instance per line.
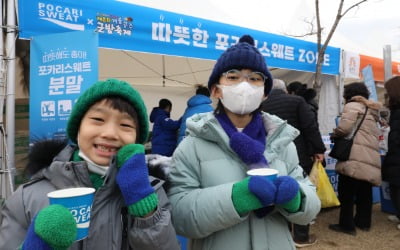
x=164, y=135
x=196, y=104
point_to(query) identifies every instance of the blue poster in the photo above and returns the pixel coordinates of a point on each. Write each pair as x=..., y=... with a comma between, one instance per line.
x=63, y=65
x=131, y=27
x=368, y=76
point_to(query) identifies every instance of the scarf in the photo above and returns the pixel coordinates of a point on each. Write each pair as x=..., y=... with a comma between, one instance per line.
x=249, y=144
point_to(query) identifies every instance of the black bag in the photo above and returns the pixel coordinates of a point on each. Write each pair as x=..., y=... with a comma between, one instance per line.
x=342, y=146
x=341, y=149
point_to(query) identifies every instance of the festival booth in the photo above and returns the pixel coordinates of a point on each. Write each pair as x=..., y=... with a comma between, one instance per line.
x=162, y=54
x=159, y=52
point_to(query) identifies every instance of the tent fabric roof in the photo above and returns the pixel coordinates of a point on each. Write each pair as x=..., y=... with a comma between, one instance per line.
x=378, y=67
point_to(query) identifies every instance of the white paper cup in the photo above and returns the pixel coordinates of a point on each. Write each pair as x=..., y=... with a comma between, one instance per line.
x=270, y=173
x=79, y=203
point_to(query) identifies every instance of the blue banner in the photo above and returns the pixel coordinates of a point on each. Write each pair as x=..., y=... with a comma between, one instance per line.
x=130, y=27
x=62, y=67
x=368, y=76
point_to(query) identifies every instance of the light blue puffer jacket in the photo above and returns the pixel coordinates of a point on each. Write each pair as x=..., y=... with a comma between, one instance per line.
x=204, y=171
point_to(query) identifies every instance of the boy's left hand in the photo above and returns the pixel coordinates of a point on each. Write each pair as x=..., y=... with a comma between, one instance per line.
x=133, y=180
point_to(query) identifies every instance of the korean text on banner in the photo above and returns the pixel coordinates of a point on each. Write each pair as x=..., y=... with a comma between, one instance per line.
x=136, y=28
x=63, y=65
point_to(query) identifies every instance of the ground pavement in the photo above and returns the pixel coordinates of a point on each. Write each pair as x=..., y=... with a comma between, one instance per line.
x=383, y=235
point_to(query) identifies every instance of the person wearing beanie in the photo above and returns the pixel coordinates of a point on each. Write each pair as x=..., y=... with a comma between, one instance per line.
x=107, y=129
x=215, y=204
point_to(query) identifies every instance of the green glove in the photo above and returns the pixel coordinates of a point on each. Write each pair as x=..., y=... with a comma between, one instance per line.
x=252, y=193
x=133, y=180
x=53, y=227
x=293, y=205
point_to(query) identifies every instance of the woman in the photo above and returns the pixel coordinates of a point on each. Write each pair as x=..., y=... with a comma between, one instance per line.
x=362, y=171
x=214, y=204
x=391, y=164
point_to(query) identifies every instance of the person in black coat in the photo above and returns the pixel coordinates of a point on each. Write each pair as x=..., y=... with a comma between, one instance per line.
x=310, y=147
x=391, y=163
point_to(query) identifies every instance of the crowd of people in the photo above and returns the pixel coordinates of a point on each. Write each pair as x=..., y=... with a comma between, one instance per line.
x=205, y=194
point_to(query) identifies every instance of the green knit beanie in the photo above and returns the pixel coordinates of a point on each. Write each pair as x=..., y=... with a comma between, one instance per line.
x=104, y=89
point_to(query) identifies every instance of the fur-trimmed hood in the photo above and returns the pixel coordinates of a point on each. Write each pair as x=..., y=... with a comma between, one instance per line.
x=42, y=153
x=369, y=103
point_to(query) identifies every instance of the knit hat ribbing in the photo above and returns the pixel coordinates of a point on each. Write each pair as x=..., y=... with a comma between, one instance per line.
x=242, y=55
x=104, y=89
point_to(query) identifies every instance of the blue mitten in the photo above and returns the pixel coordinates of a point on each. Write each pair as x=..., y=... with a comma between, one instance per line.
x=287, y=194
x=133, y=180
x=263, y=189
x=53, y=227
x=252, y=193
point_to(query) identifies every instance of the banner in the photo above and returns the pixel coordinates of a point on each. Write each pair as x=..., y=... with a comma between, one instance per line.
x=368, y=76
x=351, y=65
x=62, y=67
x=131, y=27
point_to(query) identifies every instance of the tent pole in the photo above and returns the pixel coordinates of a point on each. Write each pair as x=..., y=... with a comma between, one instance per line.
x=10, y=98
x=3, y=178
x=163, y=70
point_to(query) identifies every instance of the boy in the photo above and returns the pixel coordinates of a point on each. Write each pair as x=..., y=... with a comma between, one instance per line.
x=130, y=210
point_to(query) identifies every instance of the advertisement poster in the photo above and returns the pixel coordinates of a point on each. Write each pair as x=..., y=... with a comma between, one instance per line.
x=63, y=65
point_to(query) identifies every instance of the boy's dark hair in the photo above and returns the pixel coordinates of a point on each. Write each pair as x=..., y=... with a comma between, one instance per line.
x=354, y=89
x=123, y=106
x=164, y=103
x=201, y=90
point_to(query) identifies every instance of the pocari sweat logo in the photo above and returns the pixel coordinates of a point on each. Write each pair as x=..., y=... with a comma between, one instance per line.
x=62, y=16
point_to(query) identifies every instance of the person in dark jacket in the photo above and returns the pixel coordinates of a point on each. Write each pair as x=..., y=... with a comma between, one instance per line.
x=165, y=130
x=391, y=163
x=200, y=103
x=300, y=89
x=309, y=144
x=108, y=126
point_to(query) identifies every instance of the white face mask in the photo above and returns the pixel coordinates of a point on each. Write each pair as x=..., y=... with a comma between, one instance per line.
x=242, y=98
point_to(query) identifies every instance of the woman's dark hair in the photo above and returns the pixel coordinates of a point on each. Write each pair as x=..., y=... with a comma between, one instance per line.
x=392, y=87
x=163, y=103
x=201, y=90
x=124, y=106
x=354, y=89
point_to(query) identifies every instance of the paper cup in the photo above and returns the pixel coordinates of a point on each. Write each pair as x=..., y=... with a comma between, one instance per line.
x=269, y=173
x=79, y=202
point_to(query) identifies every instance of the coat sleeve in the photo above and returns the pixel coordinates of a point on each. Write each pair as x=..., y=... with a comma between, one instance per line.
x=310, y=202
x=13, y=222
x=309, y=128
x=155, y=231
x=198, y=211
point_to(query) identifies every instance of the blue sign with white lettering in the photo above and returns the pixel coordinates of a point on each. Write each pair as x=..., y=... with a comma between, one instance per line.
x=130, y=27
x=63, y=65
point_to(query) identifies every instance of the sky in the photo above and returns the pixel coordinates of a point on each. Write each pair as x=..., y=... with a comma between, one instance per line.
x=365, y=30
